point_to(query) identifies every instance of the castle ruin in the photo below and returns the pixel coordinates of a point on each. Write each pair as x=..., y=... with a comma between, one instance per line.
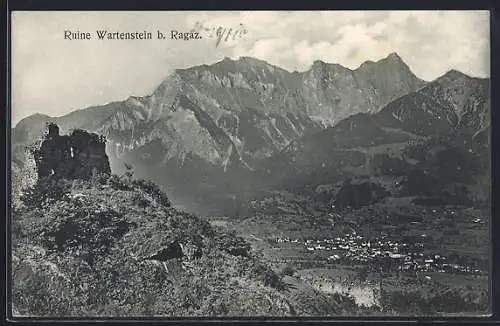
x=78, y=155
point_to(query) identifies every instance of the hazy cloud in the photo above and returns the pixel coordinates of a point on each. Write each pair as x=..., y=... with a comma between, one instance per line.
x=54, y=76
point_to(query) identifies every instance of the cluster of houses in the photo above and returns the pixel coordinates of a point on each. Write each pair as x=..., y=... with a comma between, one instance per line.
x=381, y=253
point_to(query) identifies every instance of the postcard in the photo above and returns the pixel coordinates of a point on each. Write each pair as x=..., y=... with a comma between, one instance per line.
x=250, y=164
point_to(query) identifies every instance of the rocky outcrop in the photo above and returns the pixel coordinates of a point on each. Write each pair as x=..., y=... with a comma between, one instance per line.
x=78, y=155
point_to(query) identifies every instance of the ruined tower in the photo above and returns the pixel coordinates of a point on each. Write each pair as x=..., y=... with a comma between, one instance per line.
x=75, y=156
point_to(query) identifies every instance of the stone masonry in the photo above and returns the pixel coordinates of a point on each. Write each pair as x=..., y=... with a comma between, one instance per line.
x=76, y=156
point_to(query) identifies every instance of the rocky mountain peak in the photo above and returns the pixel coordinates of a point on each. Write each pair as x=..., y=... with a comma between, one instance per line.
x=34, y=117
x=252, y=60
x=321, y=69
x=392, y=60
x=394, y=57
x=453, y=75
x=318, y=63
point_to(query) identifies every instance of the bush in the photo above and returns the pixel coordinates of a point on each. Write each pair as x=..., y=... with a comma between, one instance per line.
x=288, y=270
x=435, y=301
x=42, y=292
x=140, y=201
x=45, y=192
x=233, y=244
x=385, y=165
x=99, y=178
x=405, y=303
x=418, y=182
x=154, y=191
x=358, y=195
x=84, y=229
x=118, y=183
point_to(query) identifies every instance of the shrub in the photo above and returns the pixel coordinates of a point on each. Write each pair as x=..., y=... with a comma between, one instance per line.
x=436, y=300
x=288, y=270
x=42, y=292
x=154, y=191
x=140, y=201
x=358, y=195
x=45, y=192
x=418, y=182
x=85, y=229
x=118, y=183
x=405, y=303
x=99, y=178
x=266, y=275
x=460, y=300
x=233, y=244
x=386, y=165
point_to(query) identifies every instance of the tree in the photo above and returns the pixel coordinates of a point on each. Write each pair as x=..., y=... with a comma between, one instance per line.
x=129, y=172
x=358, y=195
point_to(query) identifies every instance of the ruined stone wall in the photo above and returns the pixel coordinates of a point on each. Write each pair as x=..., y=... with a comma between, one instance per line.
x=89, y=151
x=75, y=156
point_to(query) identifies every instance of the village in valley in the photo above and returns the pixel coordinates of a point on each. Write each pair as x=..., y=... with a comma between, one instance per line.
x=381, y=253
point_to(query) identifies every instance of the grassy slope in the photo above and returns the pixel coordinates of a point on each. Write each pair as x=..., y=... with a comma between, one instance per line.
x=81, y=252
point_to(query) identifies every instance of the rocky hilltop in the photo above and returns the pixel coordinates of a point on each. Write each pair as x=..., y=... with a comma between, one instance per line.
x=113, y=246
x=79, y=155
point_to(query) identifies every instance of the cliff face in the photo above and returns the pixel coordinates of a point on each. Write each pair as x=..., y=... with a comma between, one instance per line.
x=333, y=92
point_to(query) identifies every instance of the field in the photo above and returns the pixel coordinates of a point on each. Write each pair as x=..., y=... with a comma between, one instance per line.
x=406, y=259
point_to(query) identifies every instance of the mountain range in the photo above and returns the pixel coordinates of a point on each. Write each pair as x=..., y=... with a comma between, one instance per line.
x=441, y=130
x=228, y=129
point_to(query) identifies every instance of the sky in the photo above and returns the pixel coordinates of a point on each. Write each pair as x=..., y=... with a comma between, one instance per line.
x=54, y=76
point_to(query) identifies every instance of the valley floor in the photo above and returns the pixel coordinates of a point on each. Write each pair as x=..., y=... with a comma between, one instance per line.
x=392, y=260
